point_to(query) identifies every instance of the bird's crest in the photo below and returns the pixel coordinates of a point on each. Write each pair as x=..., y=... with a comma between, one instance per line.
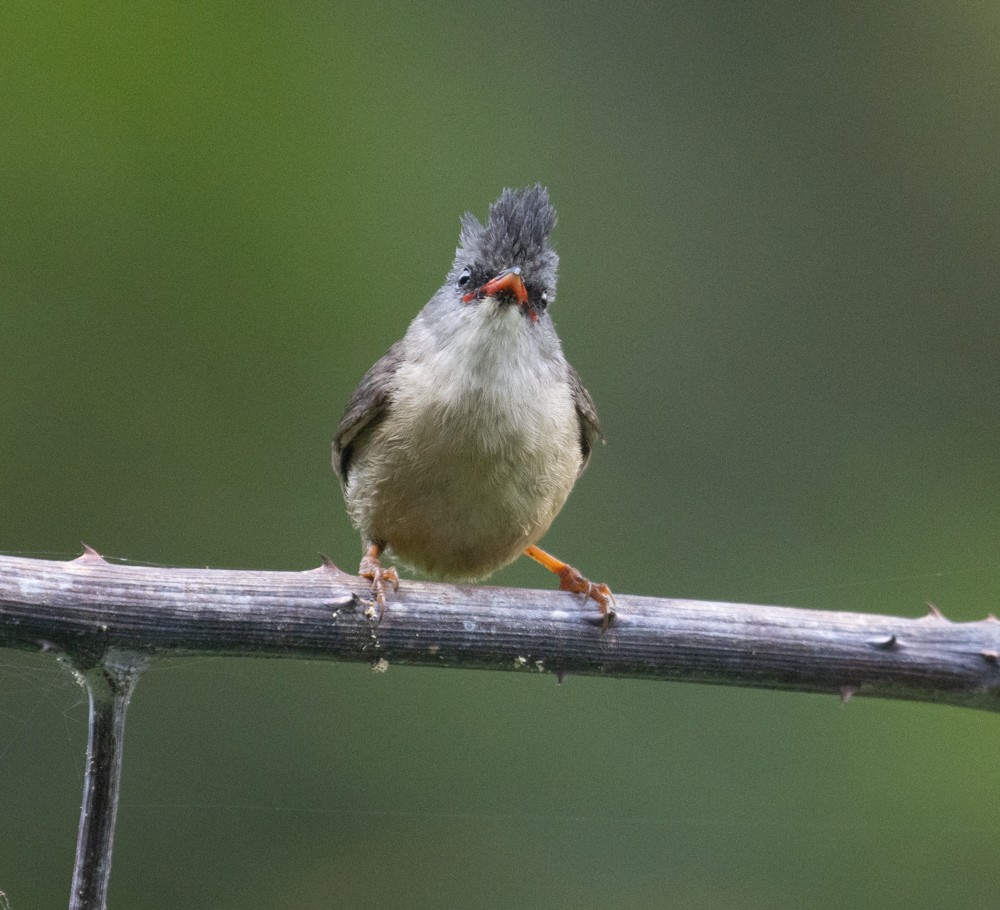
x=515, y=233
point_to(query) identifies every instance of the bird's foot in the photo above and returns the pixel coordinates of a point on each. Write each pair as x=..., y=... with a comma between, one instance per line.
x=572, y=580
x=372, y=569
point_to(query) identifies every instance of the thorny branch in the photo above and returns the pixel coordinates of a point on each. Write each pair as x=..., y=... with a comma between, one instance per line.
x=89, y=607
x=108, y=620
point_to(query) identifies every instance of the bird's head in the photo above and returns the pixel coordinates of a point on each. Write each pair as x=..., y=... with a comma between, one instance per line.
x=508, y=260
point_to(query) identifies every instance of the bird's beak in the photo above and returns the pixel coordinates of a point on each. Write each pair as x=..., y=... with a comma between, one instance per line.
x=508, y=281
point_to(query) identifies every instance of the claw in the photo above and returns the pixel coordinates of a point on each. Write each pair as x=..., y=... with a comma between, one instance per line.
x=572, y=580
x=372, y=569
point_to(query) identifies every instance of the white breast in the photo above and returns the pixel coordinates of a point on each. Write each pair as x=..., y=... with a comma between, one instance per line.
x=479, y=450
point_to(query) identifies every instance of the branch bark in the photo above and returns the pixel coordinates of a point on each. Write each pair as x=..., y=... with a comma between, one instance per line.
x=109, y=687
x=88, y=608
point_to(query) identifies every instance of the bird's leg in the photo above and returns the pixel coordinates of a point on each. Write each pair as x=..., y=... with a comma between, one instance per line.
x=570, y=579
x=371, y=568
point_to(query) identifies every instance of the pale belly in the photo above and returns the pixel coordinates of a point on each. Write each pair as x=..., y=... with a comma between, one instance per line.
x=471, y=493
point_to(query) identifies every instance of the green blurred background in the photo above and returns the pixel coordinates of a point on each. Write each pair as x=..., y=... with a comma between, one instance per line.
x=779, y=237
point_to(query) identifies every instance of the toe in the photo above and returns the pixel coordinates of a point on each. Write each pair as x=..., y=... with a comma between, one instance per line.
x=571, y=580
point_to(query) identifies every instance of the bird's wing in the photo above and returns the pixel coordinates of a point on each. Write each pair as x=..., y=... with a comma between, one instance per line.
x=367, y=407
x=590, y=427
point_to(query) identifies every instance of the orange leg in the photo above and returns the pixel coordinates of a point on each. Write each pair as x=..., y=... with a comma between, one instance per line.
x=570, y=579
x=372, y=568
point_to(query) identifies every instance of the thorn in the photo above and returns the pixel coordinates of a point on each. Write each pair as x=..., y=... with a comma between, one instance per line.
x=846, y=694
x=885, y=644
x=89, y=555
x=990, y=656
x=933, y=612
x=327, y=565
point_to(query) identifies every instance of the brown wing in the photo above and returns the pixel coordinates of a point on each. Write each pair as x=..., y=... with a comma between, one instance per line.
x=367, y=407
x=590, y=427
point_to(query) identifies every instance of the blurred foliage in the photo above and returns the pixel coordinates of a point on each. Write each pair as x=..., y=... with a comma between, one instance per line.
x=779, y=233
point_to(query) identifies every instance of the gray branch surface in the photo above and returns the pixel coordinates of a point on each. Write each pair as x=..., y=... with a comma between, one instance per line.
x=88, y=607
x=109, y=687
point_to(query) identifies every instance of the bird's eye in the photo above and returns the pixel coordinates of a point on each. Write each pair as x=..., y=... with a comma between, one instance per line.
x=463, y=279
x=543, y=298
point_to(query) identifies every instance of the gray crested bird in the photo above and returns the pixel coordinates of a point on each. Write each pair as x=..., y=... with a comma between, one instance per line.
x=460, y=446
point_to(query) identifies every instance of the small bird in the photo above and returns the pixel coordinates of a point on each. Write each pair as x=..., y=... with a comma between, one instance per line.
x=460, y=446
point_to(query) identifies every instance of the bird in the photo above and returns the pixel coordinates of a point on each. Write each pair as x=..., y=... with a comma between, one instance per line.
x=459, y=447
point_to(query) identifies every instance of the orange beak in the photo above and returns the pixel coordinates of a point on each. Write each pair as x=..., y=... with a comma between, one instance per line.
x=508, y=281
